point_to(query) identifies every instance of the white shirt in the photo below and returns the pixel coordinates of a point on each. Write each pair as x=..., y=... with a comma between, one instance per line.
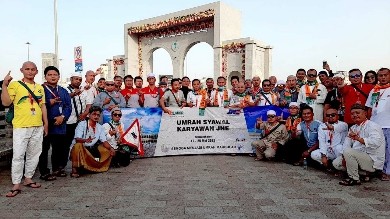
x=237, y=100
x=91, y=92
x=332, y=141
x=272, y=97
x=374, y=142
x=112, y=140
x=195, y=99
x=82, y=100
x=220, y=97
x=380, y=112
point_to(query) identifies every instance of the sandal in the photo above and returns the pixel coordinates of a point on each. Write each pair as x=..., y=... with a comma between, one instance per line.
x=384, y=177
x=258, y=159
x=75, y=175
x=13, y=193
x=47, y=177
x=33, y=185
x=350, y=182
x=60, y=173
x=365, y=178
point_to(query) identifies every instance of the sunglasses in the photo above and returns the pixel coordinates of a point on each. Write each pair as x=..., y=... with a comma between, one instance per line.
x=109, y=84
x=117, y=115
x=355, y=76
x=311, y=75
x=331, y=115
x=271, y=116
x=266, y=85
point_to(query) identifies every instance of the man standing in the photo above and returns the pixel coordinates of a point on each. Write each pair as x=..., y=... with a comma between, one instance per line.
x=136, y=97
x=301, y=77
x=58, y=107
x=334, y=99
x=126, y=92
x=221, y=96
x=29, y=125
x=357, y=92
x=209, y=87
x=273, y=81
x=292, y=90
x=364, y=148
x=309, y=128
x=233, y=82
x=313, y=94
x=267, y=97
x=331, y=136
x=110, y=98
x=87, y=85
x=185, y=86
x=280, y=90
x=151, y=93
x=379, y=103
x=256, y=89
x=248, y=85
x=173, y=97
x=101, y=84
x=274, y=136
x=118, y=83
x=81, y=103
x=198, y=97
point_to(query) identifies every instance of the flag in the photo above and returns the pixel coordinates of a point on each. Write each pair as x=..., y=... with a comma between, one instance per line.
x=132, y=137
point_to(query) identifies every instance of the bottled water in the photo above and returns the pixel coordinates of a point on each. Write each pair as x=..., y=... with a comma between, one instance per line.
x=304, y=164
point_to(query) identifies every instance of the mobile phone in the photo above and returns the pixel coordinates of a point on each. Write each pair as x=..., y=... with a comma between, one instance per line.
x=324, y=63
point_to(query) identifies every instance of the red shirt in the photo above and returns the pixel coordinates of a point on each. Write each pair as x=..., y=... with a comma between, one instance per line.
x=352, y=96
x=126, y=93
x=151, y=96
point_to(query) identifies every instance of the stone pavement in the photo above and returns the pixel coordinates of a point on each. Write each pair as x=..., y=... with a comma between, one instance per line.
x=207, y=186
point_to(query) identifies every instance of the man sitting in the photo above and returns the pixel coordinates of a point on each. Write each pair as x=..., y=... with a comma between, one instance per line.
x=274, y=135
x=114, y=131
x=364, y=148
x=331, y=136
x=90, y=149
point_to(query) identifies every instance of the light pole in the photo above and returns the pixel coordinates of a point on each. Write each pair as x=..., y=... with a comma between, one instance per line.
x=56, y=33
x=28, y=51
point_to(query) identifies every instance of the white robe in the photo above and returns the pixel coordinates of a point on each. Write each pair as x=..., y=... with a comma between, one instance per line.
x=316, y=104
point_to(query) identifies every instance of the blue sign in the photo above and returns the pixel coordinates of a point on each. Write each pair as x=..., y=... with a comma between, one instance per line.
x=78, y=66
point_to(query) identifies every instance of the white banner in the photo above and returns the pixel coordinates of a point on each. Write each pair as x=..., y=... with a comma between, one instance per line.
x=216, y=132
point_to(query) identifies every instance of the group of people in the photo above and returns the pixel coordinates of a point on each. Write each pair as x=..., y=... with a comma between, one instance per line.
x=69, y=119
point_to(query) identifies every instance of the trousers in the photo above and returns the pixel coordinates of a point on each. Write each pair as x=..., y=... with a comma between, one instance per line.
x=59, y=153
x=354, y=160
x=331, y=154
x=27, y=142
x=263, y=149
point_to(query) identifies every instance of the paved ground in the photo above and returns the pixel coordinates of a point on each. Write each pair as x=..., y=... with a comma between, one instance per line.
x=211, y=186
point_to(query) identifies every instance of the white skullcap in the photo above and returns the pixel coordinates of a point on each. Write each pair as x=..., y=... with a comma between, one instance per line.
x=115, y=109
x=271, y=112
x=76, y=74
x=151, y=75
x=281, y=82
x=294, y=104
x=338, y=75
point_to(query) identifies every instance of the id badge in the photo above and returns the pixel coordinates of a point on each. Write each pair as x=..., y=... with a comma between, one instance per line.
x=60, y=109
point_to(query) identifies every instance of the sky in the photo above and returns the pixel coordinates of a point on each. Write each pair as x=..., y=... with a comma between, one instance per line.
x=346, y=33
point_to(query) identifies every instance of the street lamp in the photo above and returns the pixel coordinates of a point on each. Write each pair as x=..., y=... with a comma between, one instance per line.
x=28, y=51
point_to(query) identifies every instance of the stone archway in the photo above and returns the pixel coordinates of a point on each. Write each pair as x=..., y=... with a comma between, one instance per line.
x=216, y=24
x=197, y=66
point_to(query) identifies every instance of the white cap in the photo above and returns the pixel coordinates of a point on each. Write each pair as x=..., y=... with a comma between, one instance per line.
x=115, y=109
x=151, y=75
x=338, y=75
x=76, y=74
x=294, y=104
x=271, y=112
x=281, y=82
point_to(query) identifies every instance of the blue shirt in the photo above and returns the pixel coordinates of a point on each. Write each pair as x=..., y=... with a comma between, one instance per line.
x=311, y=134
x=60, y=108
x=84, y=132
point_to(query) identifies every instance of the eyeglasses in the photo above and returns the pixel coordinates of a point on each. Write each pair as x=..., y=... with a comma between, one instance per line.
x=311, y=75
x=266, y=85
x=355, y=76
x=109, y=84
x=118, y=115
x=331, y=115
x=271, y=116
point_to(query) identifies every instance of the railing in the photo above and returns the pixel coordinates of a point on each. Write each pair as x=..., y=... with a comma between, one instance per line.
x=5, y=137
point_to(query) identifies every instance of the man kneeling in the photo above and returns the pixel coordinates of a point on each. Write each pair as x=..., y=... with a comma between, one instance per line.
x=274, y=135
x=364, y=148
x=90, y=149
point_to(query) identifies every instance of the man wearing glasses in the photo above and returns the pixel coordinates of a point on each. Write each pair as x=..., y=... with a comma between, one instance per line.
x=109, y=98
x=313, y=94
x=274, y=135
x=357, y=92
x=267, y=97
x=331, y=136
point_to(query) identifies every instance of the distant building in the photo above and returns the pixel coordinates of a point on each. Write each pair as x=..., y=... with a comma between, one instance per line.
x=48, y=59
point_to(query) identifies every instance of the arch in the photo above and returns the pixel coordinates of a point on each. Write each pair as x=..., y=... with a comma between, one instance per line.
x=198, y=60
x=160, y=62
x=233, y=73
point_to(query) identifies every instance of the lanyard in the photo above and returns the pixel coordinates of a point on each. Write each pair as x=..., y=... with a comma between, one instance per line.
x=30, y=97
x=54, y=95
x=362, y=125
x=378, y=98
